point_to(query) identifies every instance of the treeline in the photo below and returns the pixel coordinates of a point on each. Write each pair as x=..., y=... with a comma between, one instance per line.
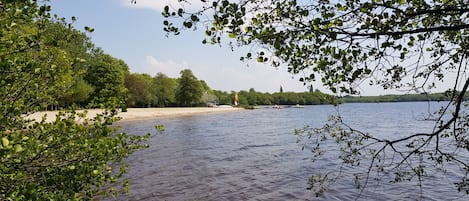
x=161, y=90
x=187, y=90
x=253, y=97
x=399, y=98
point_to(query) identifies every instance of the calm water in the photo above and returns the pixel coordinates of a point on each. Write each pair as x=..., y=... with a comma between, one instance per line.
x=253, y=155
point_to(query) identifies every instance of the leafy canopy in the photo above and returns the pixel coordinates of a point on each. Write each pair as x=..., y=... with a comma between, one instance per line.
x=341, y=42
x=189, y=90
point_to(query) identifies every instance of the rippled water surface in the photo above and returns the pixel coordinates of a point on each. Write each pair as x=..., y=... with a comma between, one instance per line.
x=253, y=155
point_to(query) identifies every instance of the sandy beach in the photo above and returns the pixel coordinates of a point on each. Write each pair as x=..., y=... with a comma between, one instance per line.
x=143, y=113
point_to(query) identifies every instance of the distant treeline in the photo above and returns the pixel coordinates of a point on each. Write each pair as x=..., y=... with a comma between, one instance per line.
x=187, y=90
x=399, y=98
x=252, y=97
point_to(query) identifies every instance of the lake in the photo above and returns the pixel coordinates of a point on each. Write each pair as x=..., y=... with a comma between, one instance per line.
x=253, y=155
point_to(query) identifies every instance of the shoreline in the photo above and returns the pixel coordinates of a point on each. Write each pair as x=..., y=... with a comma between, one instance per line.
x=134, y=114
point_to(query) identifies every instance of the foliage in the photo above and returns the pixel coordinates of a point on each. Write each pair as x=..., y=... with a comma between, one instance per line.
x=78, y=93
x=77, y=46
x=398, y=98
x=282, y=98
x=107, y=76
x=140, y=91
x=147, y=91
x=64, y=159
x=165, y=88
x=224, y=98
x=30, y=73
x=189, y=91
x=411, y=45
x=72, y=158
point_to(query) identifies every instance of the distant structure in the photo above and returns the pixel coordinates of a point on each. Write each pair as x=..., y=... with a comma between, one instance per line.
x=236, y=101
x=281, y=89
x=311, y=88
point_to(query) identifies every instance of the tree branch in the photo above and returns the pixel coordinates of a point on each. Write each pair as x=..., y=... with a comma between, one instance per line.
x=400, y=33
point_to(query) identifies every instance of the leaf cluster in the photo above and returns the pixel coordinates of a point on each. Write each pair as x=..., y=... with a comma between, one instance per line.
x=342, y=43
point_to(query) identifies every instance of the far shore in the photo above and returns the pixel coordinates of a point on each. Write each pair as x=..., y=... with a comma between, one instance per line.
x=143, y=113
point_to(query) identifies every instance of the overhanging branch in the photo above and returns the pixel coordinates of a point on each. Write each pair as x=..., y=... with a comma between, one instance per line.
x=400, y=33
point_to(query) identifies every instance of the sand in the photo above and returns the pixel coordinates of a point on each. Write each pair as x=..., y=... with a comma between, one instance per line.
x=143, y=113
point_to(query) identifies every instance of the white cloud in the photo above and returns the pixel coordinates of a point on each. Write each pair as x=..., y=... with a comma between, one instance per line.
x=158, y=5
x=227, y=77
x=170, y=68
x=237, y=77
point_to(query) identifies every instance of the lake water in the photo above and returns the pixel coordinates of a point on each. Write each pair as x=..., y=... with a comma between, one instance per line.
x=253, y=155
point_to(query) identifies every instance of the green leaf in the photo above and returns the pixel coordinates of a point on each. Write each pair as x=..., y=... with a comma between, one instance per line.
x=5, y=141
x=18, y=148
x=180, y=12
x=89, y=29
x=315, y=27
x=194, y=18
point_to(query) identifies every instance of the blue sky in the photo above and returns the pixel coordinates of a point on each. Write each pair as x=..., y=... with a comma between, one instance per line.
x=135, y=34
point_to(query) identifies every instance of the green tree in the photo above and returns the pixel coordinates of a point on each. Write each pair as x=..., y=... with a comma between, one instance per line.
x=107, y=75
x=77, y=46
x=208, y=97
x=189, y=91
x=252, y=97
x=59, y=160
x=264, y=99
x=31, y=73
x=164, y=88
x=224, y=98
x=78, y=93
x=406, y=44
x=141, y=92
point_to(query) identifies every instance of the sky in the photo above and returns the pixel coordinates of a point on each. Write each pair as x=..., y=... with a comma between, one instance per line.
x=134, y=33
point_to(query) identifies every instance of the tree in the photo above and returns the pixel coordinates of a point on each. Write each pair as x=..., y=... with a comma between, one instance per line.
x=164, y=88
x=78, y=93
x=76, y=46
x=189, y=91
x=412, y=45
x=59, y=160
x=311, y=88
x=224, y=98
x=140, y=90
x=107, y=75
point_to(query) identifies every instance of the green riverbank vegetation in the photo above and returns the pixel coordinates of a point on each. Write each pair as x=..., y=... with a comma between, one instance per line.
x=400, y=98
